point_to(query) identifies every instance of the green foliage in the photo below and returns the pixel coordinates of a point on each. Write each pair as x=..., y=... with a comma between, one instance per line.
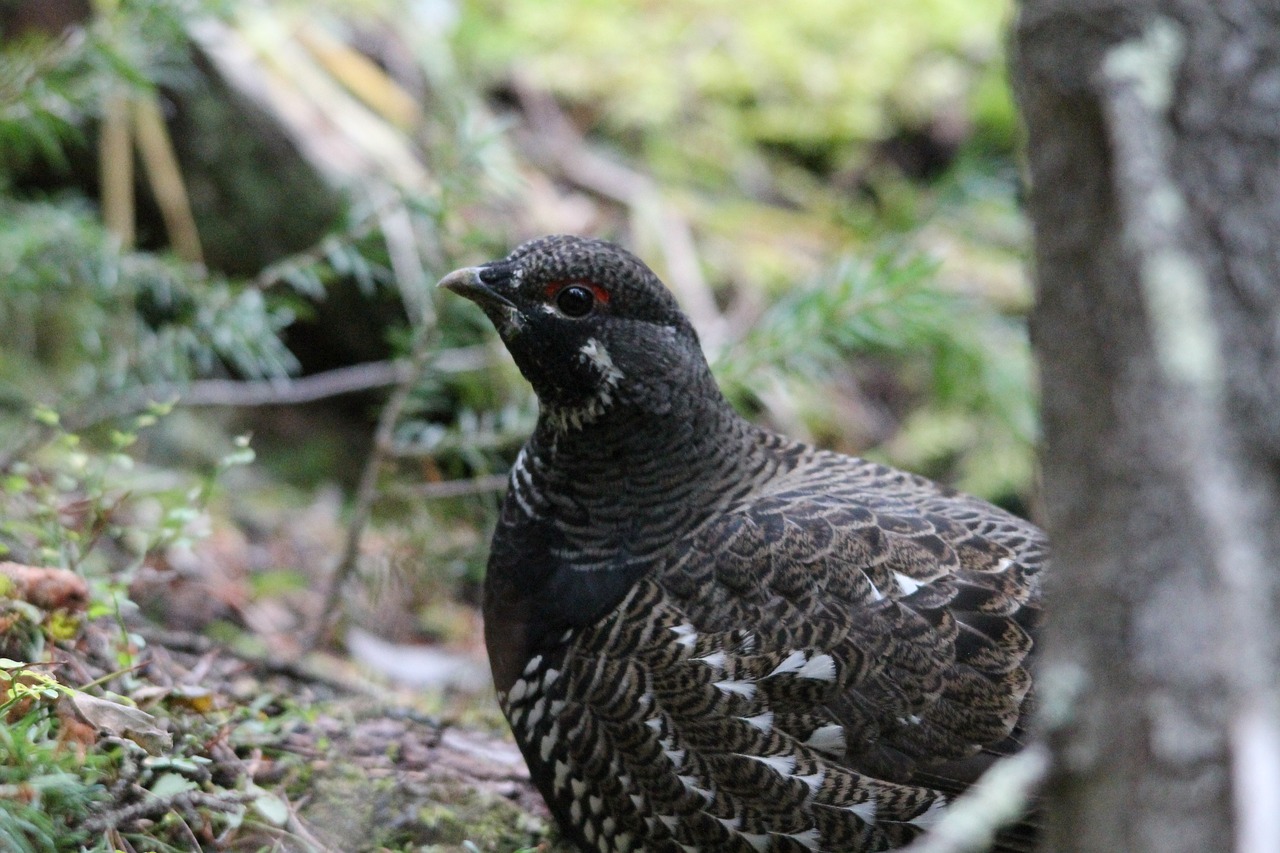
x=60, y=508
x=45, y=790
x=755, y=119
x=704, y=85
x=774, y=134
x=43, y=95
x=970, y=368
x=105, y=319
x=99, y=513
x=82, y=316
x=50, y=87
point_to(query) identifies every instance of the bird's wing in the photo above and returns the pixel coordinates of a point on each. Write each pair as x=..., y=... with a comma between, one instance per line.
x=927, y=618
x=790, y=677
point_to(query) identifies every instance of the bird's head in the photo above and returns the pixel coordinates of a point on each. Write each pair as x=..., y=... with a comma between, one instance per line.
x=588, y=324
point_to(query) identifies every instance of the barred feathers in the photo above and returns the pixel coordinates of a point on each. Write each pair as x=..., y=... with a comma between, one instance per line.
x=707, y=637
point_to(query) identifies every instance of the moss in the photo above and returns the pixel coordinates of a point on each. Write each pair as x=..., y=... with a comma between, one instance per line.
x=354, y=811
x=698, y=84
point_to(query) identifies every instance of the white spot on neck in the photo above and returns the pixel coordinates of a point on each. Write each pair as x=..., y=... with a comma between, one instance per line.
x=594, y=352
x=511, y=322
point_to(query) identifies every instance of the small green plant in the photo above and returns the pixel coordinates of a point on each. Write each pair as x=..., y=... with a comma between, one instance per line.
x=89, y=318
x=76, y=505
x=46, y=789
x=970, y=368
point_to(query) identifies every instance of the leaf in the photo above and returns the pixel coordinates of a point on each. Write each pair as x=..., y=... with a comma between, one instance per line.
x=47, y=588
x=62, y=625
x=119, y=720
x=172, y=784
x=198, y=699
x=274, y=810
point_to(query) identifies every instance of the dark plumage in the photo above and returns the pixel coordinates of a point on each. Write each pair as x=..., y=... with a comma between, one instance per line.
x=707, y=636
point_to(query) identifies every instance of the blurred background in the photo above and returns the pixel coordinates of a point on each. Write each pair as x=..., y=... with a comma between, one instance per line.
x=232, y=403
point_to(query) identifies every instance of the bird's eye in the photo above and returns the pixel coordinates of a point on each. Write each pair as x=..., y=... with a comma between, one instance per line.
x=576, y=300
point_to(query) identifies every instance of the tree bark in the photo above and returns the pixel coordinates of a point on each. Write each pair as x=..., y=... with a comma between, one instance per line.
x=1154, y=159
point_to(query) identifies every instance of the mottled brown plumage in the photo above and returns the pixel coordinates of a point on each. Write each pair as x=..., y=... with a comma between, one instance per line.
x=709, y=637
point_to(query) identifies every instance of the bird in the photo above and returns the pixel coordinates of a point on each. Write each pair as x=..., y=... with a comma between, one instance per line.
x=706, y=636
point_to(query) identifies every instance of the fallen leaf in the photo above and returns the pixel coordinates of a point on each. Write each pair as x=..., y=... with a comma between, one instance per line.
x=172, y=784
x=46, y=588
x=119, y=720
x=193, y=697
x=274, y=810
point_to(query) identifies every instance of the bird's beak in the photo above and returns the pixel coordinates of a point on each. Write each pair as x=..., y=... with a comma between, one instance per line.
x=467, y=282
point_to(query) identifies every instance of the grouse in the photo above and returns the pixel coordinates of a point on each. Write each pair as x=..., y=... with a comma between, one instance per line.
x=708, y=637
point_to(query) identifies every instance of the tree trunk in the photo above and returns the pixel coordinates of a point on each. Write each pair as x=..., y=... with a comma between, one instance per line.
x=1154, y=156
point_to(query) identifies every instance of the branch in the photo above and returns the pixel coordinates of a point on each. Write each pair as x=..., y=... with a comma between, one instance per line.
x=115, y=166
x=383, y=447
x=306, y=389
x=154, y=807
x=415, y=293
x=318, y=386
x=237, y=393
x=155, y=150
x=456, y=488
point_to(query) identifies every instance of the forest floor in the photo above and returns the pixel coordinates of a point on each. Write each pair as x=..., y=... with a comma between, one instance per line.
x=217, y=730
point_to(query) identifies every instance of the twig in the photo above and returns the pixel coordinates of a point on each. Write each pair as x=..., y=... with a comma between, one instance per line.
x=345, y=141
x=306, y=389
x=411, y=278
x=488, y=439
x=155, y=806
x=456, y=488
x=236, y=393
x=155, y=149
x=178, y=641
x=305, y=669
x=318, y=386
x=1001, y=796
x=115, y=164
x=362, y=77
x=298, y=827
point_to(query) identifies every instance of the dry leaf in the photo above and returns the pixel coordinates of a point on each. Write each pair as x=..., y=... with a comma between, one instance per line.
x=48, y=589
x=117, y=719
